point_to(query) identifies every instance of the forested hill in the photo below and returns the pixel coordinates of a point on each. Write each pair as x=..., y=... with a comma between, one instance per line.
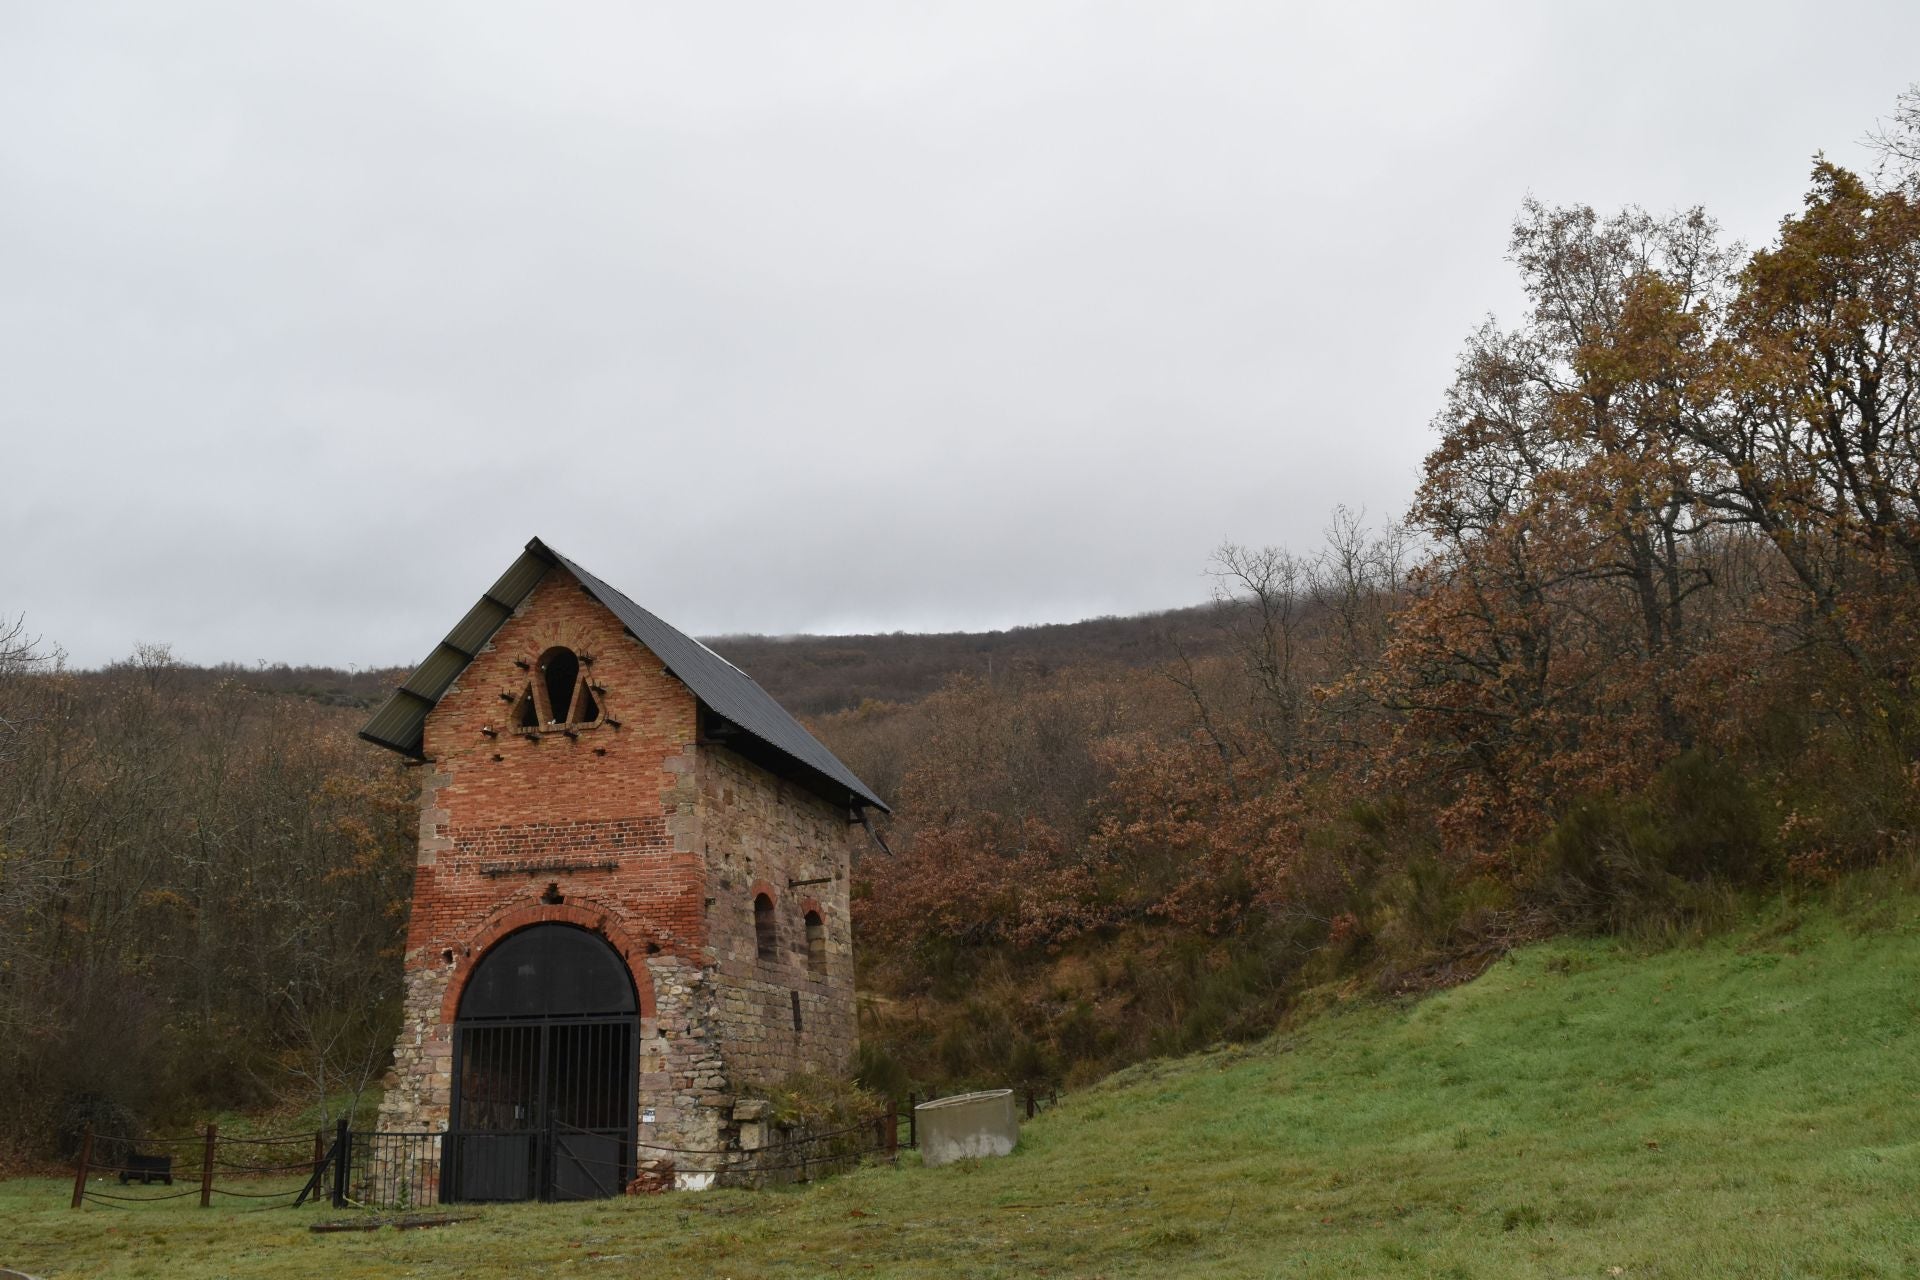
x=816, y=675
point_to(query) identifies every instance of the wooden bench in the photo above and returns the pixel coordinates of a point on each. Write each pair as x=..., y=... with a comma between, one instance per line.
x=147, y=1168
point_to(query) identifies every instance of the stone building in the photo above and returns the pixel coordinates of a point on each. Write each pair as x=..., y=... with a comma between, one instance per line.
x=630, y=906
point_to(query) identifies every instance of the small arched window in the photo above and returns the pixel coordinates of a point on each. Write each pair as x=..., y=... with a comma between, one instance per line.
x=765, y=939
x=560, y=672
x=816, y=942
x=561, y=692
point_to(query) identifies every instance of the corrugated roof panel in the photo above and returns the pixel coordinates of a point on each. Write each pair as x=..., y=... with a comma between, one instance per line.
x=471, y=634
x=729, y=691
x=397, y=724
x=523, y=575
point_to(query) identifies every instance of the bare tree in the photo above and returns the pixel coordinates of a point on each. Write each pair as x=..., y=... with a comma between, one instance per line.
x=1186, y=676
x=1265, y=594
x=1358, y=578
x=20, y=655
x=1898, y=141
x=202, y=887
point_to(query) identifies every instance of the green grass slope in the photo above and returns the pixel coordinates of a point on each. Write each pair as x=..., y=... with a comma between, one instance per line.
x=1748, y=1107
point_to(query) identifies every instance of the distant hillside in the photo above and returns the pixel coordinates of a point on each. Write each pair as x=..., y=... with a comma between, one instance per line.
x=810, y=675
x=359, y=688
x=816, y=675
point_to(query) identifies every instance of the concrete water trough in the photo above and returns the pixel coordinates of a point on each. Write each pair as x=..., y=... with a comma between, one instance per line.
x=967, y=1126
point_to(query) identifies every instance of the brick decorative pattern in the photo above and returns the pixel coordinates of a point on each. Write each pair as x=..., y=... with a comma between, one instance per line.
x=648, y=838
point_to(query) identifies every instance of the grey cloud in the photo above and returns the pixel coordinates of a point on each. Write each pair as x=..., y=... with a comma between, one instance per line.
x=790, y=317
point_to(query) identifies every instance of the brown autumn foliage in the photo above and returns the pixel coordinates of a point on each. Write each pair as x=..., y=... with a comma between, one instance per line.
x=1645, y=640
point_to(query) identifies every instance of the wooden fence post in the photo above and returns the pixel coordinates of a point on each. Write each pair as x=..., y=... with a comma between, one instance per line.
x=913, y=1120
x=1030, y=1107
x=80, y=1172
x=891, y=1134
x=319, y=1151
x=342, y=1158
x=206, y=1168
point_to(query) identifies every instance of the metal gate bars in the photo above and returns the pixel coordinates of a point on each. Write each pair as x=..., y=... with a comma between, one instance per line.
x=543, y=1110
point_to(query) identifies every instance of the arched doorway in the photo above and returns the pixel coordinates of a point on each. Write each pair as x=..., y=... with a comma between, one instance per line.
x=544, y=1059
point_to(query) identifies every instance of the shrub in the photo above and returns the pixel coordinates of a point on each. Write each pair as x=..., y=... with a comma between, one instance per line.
x=1662, y=858
x=878, y=1071
x=818, y=1103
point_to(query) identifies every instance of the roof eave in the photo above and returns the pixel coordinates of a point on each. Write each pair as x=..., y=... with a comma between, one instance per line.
x=412, y=752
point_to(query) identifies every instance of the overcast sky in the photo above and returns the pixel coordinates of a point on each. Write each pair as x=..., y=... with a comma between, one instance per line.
x=793, y=317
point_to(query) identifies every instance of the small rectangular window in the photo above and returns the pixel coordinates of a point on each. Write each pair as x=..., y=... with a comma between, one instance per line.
x=796, y=1009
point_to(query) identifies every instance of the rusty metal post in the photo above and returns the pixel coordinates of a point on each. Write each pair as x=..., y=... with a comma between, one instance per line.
x=891, y=1134
x=80, y=1171
x=206, y=1168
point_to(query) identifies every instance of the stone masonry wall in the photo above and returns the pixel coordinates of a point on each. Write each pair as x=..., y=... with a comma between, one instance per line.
x=762, y=835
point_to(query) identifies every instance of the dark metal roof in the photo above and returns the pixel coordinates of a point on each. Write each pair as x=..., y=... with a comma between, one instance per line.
x=725, y=689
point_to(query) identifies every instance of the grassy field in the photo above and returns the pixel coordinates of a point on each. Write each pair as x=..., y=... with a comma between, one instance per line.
x=1745, y=1108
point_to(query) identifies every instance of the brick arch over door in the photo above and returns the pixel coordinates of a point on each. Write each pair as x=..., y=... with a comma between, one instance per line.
x=594, y=919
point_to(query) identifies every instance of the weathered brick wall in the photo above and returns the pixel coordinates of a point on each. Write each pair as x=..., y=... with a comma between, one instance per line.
x=762, y=835
x=647, y=838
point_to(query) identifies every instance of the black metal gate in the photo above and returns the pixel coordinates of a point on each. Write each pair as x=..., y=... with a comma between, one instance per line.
x=544, y=1068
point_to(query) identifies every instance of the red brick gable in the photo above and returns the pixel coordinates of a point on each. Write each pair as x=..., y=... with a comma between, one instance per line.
x=588, y=812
